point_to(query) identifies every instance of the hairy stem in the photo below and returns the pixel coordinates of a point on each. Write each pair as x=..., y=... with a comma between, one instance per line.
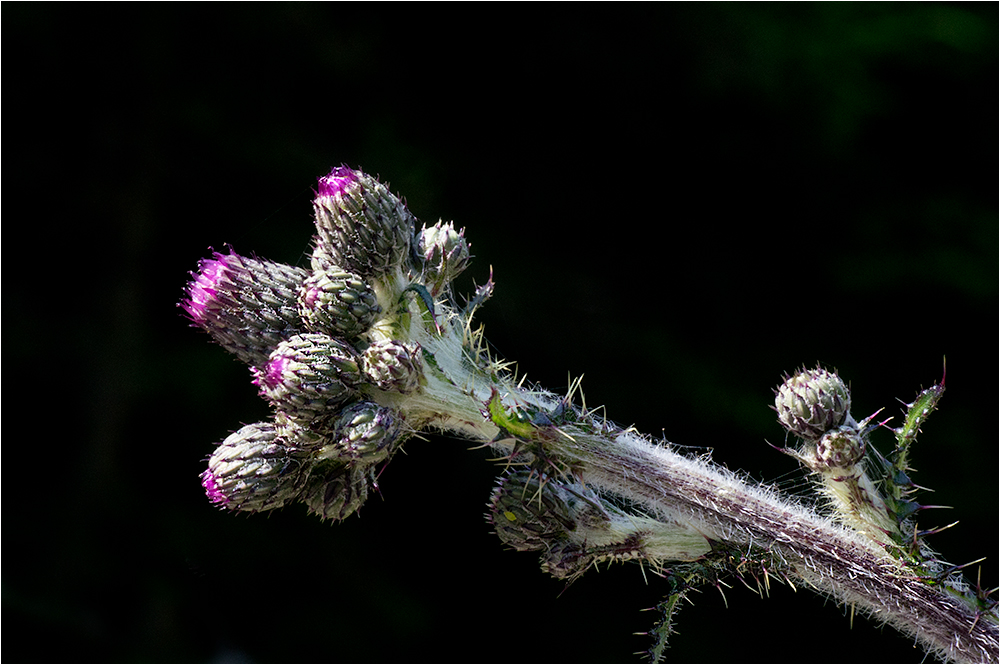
x=369, y=348
x=697, y=496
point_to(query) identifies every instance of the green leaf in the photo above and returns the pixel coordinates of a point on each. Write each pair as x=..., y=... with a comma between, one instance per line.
x=665, y=627
x=917, y=413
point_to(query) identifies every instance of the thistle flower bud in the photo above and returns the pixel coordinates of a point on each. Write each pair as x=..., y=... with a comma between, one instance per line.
x=520, y=520
x=247, y=306
x=360, y=224
x=530, y=512
x=392, y=365
x=338, y=302
x=812, y=402
x=839, y=449
x=304, y=438
x=566, y=560
x=307, y=375
x=334, y=490
x=365, y=433
x=254, y=470
x=444, y=254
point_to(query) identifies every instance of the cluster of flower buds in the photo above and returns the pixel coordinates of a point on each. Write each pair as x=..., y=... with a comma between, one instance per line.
x=574, y=528
x=317, y=344
x=534, y=512
x=366, y=346
x=814, y=405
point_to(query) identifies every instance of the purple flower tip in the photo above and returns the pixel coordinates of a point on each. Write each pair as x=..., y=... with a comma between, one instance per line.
x=271, y=375
x=310, y=296
x=339, y=179
x=212, y=489
x=203, y=288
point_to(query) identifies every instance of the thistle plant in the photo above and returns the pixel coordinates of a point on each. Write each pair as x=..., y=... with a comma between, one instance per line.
x=370, y=346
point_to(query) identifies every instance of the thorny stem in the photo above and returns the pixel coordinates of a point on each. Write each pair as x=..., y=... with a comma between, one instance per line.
x=702, y=497
x=370, y=348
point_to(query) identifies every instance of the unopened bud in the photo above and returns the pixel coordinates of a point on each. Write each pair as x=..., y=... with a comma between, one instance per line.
x=365, y=433
x=567, y=560
x=838, y=450
x=531, y=512
x=247, y=306
x=392, y=365
x=360, y=224
x=309, y=375
x=254, y=470
x=308, y=437
x=444, y=254
x=335, y=490
x=812, y=402
x=338, y=302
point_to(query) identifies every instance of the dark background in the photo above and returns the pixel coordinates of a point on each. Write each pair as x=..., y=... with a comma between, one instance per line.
x=680, y=202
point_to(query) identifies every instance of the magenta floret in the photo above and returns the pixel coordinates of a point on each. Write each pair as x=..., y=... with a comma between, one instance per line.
x=309, y=297
x=212, y=489
x=204, y=287
x=339, y=179
x=273, y=373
